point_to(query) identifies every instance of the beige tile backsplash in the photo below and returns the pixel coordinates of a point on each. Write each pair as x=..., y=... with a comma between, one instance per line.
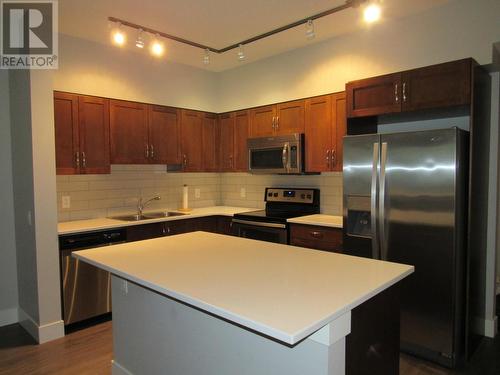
x=95, y=196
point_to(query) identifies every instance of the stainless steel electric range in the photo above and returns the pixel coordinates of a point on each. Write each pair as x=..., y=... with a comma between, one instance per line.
x=271, y=224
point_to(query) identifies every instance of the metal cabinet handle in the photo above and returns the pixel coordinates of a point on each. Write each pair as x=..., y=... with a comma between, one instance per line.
x=316, y=234
x=328, y=158
x=404, y=92
x=396, y=93
x=152, y=152
x=77, y=159
x=373, y=202
x=230, y=161
x=273, y=122
x=184, y=160
x=334, y=158
x=277, y=122
x=84, y=160
x=147, y=151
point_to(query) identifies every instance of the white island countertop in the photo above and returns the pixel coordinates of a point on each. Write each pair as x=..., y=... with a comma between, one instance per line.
x=81, y=226
x=319, y=219
x=281, y=291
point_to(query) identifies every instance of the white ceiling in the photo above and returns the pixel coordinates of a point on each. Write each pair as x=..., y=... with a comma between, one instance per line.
x=219, y=23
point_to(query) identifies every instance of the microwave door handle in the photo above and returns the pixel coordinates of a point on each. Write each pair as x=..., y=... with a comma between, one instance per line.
x=284, y=157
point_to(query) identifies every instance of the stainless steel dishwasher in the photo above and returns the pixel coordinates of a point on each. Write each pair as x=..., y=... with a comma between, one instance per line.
x=86, y=290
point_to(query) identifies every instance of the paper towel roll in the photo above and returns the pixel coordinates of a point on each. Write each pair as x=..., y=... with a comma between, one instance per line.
x=185, y=203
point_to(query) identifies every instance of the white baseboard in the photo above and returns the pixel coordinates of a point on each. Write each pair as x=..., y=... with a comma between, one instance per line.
x=9, y=316
x=117, y=369
x=41, y=333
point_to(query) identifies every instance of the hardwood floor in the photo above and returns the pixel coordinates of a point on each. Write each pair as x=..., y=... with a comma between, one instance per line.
x=89, y=351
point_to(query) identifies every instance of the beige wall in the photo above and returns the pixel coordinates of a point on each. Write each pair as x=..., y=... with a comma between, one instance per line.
x=115, y=194
x=95, y=69
x=458, y=29
x=8, y=270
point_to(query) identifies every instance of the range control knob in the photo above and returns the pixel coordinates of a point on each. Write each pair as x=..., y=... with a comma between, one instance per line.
x=308, y=196
x=276, y=195
x=303, y=196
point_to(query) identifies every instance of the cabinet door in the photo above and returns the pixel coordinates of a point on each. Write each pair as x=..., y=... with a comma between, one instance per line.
x=192, y=145
x=240, y=141
x=339, y=119
x=164, y=135
x=129, y=132
x=374, y=96
x=93, y=119
x=442, y=85
x=262, y=121
x=318, y=133
x=224, y=225
x=290, y=117
x=209, y=135
x=226, y=122
x=145, y=232
x=66, y=133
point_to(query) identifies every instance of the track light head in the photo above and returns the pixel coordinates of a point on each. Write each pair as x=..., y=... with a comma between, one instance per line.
x=310, y=34
x=241, y=53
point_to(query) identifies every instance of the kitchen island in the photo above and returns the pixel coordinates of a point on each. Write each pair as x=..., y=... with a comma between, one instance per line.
x=202, y=303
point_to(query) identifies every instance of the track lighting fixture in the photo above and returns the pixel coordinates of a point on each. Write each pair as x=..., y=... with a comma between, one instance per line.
x=310, y=34
x=139, y=42
x=241, y=53
x=206, y=57
x=118, y=35
x=157, y=47
x=372, y=12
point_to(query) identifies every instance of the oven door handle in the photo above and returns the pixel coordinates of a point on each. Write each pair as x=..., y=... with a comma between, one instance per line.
x=259, y=224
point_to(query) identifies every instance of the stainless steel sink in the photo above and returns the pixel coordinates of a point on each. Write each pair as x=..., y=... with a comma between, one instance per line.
x=147, y=216
x=160, y=214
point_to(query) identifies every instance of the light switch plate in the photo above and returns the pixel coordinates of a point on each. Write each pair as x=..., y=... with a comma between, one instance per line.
x=197, y=193
x=66, y=201
x=243, y=192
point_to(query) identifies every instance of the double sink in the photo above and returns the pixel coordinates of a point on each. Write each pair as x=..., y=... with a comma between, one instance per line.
x=147, y=216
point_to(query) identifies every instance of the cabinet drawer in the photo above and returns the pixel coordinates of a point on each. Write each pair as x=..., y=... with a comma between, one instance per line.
x=316, y=237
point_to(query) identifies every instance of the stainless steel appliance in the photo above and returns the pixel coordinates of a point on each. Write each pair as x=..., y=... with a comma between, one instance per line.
x=404, y=201
x=86, y=290
x=283, y=154
x=281, y=204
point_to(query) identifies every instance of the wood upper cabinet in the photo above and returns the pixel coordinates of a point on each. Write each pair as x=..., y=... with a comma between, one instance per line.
x=192, y=140
x=66, y=133
x=81, y=134
x=325, y=126
x=279, y=119
x=290, y=117
x=437, y=86
x=129, y=132
x=374, y=96
x=164, y=135
x=262, y=121
x=240, y=141
x=210, y=143
x=226, y=122
x=442, y=85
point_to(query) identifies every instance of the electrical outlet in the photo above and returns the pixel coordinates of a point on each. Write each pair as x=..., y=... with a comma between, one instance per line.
x=124, y=287
x=66, y=201
x=243, y=192
x=197, y=193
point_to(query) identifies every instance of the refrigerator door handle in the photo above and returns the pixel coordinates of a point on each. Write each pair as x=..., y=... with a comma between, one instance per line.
x=381, y=202
x=373, y=201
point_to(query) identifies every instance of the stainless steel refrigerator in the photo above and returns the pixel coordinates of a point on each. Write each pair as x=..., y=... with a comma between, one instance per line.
x=404, y=197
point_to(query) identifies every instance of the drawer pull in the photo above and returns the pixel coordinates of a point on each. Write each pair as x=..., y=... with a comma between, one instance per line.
x=316, y=234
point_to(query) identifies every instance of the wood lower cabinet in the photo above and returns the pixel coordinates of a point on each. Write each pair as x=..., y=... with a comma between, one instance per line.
x=316, y=237
x=325, y=126
x=210, y=137
x=129, y=133
x=81, y=134
x=164, y=135
x=192, y=140
x=224, y=225
x=437, y=86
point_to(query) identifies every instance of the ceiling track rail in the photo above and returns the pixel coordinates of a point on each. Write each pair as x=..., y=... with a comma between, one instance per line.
x=346, y=5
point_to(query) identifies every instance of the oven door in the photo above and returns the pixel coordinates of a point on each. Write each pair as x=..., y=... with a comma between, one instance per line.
x=270, y=232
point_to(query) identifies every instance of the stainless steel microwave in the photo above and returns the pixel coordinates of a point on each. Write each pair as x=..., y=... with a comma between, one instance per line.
x=283, y=154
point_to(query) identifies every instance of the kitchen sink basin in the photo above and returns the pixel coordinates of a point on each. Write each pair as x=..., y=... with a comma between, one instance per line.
x=147, y=216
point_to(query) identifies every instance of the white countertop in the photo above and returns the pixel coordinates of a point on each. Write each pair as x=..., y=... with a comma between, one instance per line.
x=319, y=219
x=282, y=291
x=80, y=226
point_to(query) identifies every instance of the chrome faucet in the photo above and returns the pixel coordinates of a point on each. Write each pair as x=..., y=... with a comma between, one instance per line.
x=141, y=205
